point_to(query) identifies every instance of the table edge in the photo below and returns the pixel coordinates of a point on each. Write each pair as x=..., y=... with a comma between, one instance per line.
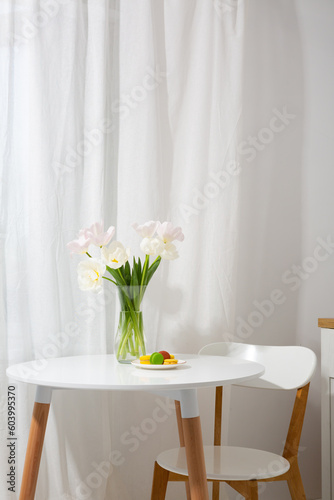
x=149, y=388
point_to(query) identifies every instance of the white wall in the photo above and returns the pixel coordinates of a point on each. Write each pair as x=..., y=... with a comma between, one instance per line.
x=287, y=205
x=317, y=293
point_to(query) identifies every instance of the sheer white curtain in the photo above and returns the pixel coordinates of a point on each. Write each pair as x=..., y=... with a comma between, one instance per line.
x=123, y=111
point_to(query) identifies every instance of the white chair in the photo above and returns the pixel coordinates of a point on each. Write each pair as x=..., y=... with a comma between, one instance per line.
x=286, y=368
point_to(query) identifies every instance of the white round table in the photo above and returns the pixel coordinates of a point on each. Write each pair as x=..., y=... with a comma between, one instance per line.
x=103, y=372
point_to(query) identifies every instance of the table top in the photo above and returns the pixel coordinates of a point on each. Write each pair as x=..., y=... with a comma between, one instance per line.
x=105, y=373
x=326, y=323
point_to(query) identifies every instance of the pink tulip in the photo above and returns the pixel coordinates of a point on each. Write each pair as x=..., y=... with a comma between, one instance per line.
x=146, y=230
x=97, y=235
x=168, y=233
x=81, y=244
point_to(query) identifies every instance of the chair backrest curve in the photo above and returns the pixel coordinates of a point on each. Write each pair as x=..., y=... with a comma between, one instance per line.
x=286, y=367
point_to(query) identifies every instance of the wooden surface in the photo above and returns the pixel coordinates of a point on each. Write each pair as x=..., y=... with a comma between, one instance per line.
x=34, y=451
x=218, y=416
x=190, y=435
x=195, y=458
x=160, y=482
x=326, y=323
x=181, y=438
x=217, y=433
x=248, y=489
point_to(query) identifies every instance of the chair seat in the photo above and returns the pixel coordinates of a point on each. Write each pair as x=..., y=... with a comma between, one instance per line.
x=228, y=463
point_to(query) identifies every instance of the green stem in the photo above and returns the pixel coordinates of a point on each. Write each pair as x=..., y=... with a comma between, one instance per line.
x=132, y=348
x=137, y=330
x=88, y=255
x=130, y=325
x=123, y=327
x=133, y=325
x=121, y=275
x=142, y=284
x=155, y=261
x=112, y=281
x=146, y=263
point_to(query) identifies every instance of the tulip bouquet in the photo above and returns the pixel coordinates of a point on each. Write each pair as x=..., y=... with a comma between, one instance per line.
x=157, y=241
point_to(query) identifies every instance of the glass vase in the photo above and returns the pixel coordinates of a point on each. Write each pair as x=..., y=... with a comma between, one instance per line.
x=130, y=342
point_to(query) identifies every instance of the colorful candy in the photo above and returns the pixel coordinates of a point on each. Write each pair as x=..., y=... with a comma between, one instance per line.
x=145, y=360
x=165, y=354
x=158, y=358
x=170, y=362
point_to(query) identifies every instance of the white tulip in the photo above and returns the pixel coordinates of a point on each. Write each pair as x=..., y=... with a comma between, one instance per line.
x=115, y=255
x=169, y=252
x=152, y=246
x=90, y=274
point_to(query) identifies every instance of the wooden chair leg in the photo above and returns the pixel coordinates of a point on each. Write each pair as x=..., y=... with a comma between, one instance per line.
x=34, y=451
x=215, y=490
x=253, y=490
x=295, y=482
x=160, y=482
x=217, y=433
x=248, y=489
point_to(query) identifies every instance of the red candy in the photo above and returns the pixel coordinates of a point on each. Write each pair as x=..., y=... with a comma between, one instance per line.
x=165, y=354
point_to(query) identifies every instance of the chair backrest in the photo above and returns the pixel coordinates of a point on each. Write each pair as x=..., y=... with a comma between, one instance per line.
x=286, y=367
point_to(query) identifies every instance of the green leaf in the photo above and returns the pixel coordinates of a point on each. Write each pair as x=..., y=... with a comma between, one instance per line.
x=139, y=270
x=135, y=285
x=134, y=277
x=127, y=273
x=121, y=271
x=151, y=270
x=122, y=299
x=114, y=273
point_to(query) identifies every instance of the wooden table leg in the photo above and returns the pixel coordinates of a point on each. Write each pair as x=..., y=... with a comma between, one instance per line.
x=193, y=440
x=35, y=444
x=181, y=438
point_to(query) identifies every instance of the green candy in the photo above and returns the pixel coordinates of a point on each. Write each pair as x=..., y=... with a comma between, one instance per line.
x=156, y=358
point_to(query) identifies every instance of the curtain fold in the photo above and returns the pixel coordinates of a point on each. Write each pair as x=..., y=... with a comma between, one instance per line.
x=122, y=111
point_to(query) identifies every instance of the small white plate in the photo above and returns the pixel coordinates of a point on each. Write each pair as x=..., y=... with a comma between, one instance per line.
x=138, y=364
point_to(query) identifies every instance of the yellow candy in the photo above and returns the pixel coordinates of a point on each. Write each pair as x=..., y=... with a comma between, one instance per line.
x=170, y=362
x=145, y=360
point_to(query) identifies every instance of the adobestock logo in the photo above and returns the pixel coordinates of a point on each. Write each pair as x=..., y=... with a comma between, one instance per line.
x=52, y=348
x=121, y=109
x=130, y=442
x=292, y=280
x=152, y=79
x=253, y=144
x=223, y=7
x=248, y=149
x=30, y=26
x=219, y=180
